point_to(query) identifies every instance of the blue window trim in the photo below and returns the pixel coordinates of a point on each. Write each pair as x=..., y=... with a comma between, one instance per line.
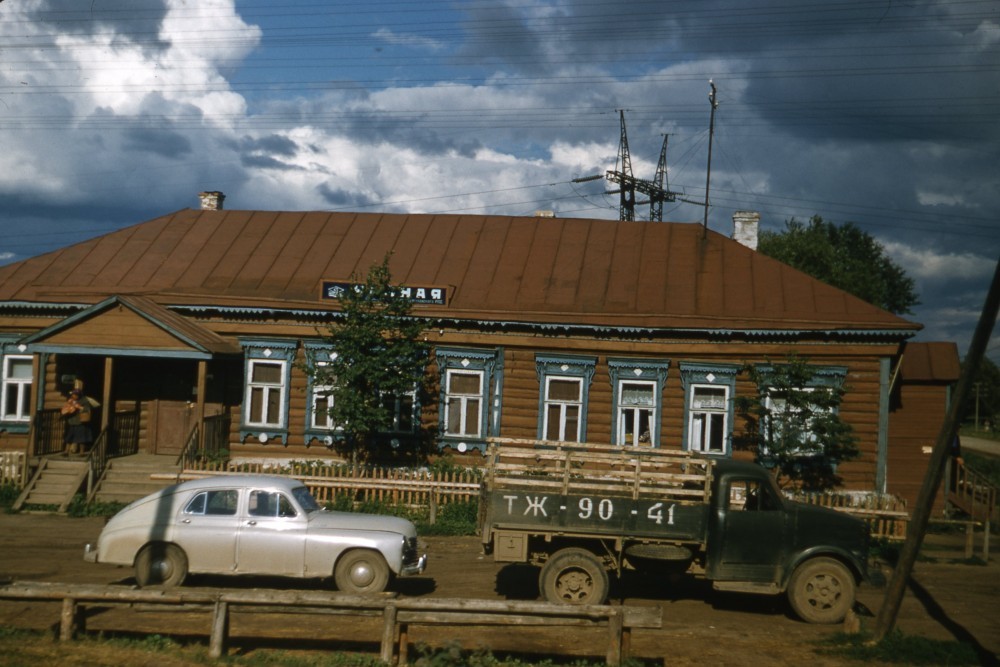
x=490, y=363
x=317, y=352
x=564, y=365
x=647, y=370
x=9, y=347
x=714, y=375
x=823, y=376
x=264, y=349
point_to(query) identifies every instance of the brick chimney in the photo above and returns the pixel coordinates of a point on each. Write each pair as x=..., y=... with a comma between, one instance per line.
x=745, y=225
x=211, y=201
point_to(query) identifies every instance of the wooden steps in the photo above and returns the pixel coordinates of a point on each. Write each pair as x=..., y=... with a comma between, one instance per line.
x=132, y=477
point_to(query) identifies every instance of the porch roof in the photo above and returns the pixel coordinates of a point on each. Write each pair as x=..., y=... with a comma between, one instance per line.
x=131, y=326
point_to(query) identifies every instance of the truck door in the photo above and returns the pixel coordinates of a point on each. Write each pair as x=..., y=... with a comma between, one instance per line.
x=748, y=540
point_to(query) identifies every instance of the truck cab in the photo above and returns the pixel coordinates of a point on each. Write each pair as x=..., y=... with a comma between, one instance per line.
x=758, y=541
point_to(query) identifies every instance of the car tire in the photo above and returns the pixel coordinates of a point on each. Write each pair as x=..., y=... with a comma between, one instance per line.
x=361, y=572
x=574, y=576
x=821, y=591
x=161, y=564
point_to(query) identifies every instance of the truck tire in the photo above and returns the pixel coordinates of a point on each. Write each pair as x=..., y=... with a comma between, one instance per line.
x=821, y=591
x=361, y=572
x=573, y=576
x=161, y=564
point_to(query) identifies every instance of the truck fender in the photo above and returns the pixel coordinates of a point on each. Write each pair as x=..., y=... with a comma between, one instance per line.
x=847, y=558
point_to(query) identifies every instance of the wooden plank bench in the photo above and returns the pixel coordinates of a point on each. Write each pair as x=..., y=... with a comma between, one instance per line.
x=397, y=614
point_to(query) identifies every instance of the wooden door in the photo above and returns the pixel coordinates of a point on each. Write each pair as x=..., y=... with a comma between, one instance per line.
x=172, y=424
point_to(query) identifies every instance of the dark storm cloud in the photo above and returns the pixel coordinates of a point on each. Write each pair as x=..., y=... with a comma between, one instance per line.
x=272, y=143
x=156, y=141
x=132, y=21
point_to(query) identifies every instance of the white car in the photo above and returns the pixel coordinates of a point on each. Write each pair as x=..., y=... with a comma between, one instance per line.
x=255, y=524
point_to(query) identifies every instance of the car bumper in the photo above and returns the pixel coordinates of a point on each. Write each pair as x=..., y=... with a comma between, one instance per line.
x=90, y=553
x=411, y=569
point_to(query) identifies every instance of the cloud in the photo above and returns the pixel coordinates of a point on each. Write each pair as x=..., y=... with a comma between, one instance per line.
x=930, y=263
x=390, y=37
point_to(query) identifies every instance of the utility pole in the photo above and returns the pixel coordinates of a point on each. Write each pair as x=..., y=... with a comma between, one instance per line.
x=624, y=178
x=629, y=184
x=886, y=618
x=708, y=172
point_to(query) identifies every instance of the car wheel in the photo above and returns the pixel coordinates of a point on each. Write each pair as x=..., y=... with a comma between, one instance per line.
x=821, y=591
x=161, y=564
x=361, y=572
x=573, y=576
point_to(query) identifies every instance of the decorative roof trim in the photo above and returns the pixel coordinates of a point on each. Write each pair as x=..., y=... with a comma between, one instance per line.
x=593, y=329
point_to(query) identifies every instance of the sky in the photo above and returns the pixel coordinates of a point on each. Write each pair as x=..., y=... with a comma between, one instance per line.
x=883, y=113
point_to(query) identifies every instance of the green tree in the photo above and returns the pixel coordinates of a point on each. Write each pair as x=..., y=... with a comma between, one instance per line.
x=983, y=401
x=844, y=256
x=793, y=423
x=380, y=356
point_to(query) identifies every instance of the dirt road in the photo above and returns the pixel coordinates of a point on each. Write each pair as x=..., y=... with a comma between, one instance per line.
x=948, y=600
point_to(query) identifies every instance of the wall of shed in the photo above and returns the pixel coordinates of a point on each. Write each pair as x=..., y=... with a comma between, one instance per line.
x=919, y=410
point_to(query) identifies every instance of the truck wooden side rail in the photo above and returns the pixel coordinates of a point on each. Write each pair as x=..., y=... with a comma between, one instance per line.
x=580, y=511
x=397, y=614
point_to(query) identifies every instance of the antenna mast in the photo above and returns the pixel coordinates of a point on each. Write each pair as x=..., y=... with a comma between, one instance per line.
x=708, y=172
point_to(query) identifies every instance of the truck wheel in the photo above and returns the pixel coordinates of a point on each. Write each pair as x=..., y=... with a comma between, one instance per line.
x=361, y=572
x=821, y=591
x=574, y=576
x=160, y=563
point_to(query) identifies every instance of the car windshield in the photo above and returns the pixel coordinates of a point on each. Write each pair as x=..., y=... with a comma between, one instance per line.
x=305, y=499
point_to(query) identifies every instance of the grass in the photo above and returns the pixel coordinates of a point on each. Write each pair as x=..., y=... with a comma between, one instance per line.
x=32, y=647
x=898, y=648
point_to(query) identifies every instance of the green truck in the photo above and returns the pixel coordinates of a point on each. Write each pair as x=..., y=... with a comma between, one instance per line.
x=581, y=512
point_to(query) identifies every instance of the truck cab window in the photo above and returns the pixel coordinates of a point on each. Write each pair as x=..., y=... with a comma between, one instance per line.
x=751, y=496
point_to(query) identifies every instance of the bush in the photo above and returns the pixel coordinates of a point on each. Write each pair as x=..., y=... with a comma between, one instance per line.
x=453, y=519
x=8, y=494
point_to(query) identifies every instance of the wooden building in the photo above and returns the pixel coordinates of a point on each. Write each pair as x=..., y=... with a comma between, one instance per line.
x=573, y=329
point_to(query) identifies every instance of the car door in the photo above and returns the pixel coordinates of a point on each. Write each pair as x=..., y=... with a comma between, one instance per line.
x=749, y=533
x=207, y=528
x=272, y=535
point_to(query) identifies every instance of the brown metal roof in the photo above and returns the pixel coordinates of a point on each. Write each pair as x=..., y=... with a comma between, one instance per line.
x=930, y=362
x=573, y=271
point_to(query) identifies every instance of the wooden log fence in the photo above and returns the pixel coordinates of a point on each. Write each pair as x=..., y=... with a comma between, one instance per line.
x=886, y=515
x=398, y=615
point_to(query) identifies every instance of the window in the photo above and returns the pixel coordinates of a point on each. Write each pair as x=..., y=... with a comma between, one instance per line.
x=15, y=401
x=469, y=378
x=218, y=503
x=708, y=407
x=265, y=402
x=266, y=391
x=709, y=419
x=465, y=403
x=637, y=386
x=269, y=504
x=319, y=425
x=563, y=407
x=636, y=411
x=794, y=414
x=403, y=409
x=565, y=385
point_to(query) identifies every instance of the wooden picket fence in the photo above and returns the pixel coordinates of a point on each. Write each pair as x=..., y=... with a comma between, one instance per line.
x=11, y=468
x=396, y=486
x=886, y=515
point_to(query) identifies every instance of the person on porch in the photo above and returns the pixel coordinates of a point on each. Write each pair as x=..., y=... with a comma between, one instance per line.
x=77, y=436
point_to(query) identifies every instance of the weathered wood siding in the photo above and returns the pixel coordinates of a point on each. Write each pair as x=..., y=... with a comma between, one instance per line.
x=919, y=410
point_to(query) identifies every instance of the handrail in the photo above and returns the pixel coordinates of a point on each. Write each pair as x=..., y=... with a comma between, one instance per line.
x=216, y=435
x=971, y=492
x=120, y=438
x=46, y=433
